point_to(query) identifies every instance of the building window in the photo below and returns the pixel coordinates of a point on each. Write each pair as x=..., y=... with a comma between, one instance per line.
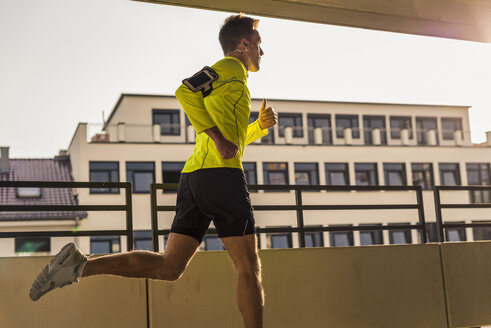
x=483, y=233
x=422, y=175
x=28, y=192
x=280, y=240
x=431, y=232
x=423, y=125
x=323, y=122
x=366, y=174
x=141, y=175
x=104, y=172
x=213, y=243
x=402, y=236
x=30, y=245
x=275, y=173
x=250, y=172
x=371, y=237
x=347, y=121
x=314, y=239
x=290, y=120
x=455, y=234
x=268, y=139
x=395, y=174
x=449, y=126
x=283, y=240
x=399, y=123
x=169, y=120
x=449, y=174
x=374, y=122
x=478, y=174
x=105, y=244
x=143, y=239
x=171, y=173
x=337, y=174
x=306, y=174
x=341, y=238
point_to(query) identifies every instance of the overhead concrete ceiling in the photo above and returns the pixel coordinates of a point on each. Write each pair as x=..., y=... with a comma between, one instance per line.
x=456, y=19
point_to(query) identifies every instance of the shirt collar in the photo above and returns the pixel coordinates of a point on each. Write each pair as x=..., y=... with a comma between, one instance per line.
x=241, y=63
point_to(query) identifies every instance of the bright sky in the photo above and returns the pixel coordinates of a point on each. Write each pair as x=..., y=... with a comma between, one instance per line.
x=67, y=61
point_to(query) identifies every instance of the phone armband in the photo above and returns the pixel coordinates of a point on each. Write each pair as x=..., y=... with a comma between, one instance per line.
x=202, y=81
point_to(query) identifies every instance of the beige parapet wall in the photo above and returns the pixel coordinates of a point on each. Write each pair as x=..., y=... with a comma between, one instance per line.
x=468, y=283
x=375, y=286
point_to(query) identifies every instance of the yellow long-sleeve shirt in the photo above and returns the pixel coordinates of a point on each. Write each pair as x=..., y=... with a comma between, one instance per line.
x=228, y=107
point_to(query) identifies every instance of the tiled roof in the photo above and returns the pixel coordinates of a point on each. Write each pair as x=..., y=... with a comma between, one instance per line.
x=57, y=169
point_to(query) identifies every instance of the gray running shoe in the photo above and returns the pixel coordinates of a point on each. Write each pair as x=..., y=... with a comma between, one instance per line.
x=64, y=269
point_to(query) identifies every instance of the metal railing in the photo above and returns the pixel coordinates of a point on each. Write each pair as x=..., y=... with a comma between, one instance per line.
x=299, y=207
x=440, y=226
x=127, y=208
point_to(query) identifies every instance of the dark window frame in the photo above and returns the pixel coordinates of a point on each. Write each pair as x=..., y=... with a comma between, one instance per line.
x=142, y=235
x=133, y=185
x=377, y=235
x=421, y=132
x=456, y=172
x=457, y=127
x=162, y=166
x=214, y=236
x=104, y=190
x=407, y=234
x=375, y=170
x=355, y=128
x=351, y=239
x=367, y=129
x=402, y=170
x=297, y=128
x=326, y=133
x=175, y=128
x=345, y=173
x=320, y=234
x=109, y=239
x=394, y=134
x=280, y=234
x=483, y=195
x=461, y=231
x=266, y=172
x=313, y=174
x=424, y=170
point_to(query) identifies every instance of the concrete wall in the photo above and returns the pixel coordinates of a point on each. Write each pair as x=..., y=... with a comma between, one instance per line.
x=376, y=286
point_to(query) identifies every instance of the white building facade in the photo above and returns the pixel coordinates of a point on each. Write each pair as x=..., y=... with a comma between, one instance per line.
x=147, y=139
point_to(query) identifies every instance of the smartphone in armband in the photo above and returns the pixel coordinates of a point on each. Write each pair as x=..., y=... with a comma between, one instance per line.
x=201, y=81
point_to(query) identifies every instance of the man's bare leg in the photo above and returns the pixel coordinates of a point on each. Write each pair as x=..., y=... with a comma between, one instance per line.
x=250, y=294
x=144, y=264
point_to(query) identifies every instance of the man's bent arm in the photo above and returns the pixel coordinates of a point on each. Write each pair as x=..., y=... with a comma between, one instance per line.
x=225, y=147
x=255, y=132
x=195, y=108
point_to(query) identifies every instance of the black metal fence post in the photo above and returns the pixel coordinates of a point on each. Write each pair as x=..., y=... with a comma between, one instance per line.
x=129, y=216
x=300, y=223
x=438, y=211
x=421, y=214
x=155, y=225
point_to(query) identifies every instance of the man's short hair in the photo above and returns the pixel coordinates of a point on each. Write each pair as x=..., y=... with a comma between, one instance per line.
x=234, y=29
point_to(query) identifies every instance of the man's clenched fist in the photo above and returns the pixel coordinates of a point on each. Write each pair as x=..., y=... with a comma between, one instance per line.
x=267, y=116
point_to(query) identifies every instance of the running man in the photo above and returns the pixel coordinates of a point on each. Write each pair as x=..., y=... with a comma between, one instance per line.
x=212, y=185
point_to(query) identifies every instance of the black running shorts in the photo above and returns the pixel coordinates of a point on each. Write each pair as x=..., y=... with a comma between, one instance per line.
x=218, y=194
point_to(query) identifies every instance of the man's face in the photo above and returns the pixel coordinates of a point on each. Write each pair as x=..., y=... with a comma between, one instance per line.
x=255, y=52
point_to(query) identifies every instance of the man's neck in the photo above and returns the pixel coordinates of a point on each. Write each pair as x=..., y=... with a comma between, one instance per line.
x=242, y=57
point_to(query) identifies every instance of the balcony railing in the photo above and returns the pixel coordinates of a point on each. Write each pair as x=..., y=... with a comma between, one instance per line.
x=127, y=208
x=441, y=226
x=299, y=207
